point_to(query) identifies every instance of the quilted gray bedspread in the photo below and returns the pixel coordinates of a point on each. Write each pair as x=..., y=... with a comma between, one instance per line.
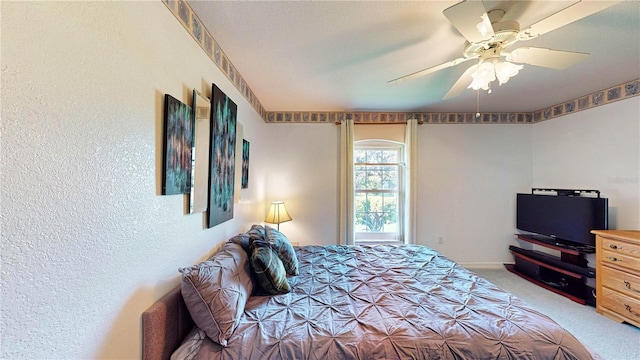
x=389, y=302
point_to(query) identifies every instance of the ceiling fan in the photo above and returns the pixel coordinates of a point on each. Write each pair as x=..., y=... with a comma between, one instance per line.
x=488, y=36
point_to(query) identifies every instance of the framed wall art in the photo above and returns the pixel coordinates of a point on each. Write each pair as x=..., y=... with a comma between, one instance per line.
x=245, y=164
x=239, y=138
x=178, y=143
x=199, y=198
x=222, y=158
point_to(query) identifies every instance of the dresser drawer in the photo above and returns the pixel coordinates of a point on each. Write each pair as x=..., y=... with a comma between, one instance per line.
x=620, y=304
x=621, y=247
x=620, y=281
x=620, y=259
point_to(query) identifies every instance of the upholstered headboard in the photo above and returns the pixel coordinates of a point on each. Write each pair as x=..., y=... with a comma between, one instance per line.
x=164, y=325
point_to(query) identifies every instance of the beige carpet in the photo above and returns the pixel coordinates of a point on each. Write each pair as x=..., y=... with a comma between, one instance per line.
x=610, y=340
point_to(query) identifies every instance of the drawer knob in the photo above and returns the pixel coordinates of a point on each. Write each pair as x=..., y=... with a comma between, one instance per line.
x=628, y=285
x=613, y=246
x=612, y=258
x=631, y=310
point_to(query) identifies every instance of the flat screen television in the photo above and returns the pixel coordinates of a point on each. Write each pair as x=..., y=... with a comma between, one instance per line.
x=564, y=219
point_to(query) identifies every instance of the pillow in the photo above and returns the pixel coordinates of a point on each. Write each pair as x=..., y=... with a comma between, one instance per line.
x=190, y=346
x=284, y=249
x=245, y=239
x=257, y=232
x=268, y=268
x=216, y=291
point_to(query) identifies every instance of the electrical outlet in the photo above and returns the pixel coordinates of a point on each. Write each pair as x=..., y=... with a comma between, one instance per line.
x=440, y=239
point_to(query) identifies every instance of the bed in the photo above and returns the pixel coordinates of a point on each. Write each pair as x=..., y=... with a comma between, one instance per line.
x=351, y=302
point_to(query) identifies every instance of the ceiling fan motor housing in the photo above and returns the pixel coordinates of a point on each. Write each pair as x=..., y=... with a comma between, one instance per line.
x=505, y=34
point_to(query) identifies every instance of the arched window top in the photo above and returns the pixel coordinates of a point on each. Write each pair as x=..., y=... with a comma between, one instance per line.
x=377, y=143
x=392, y=132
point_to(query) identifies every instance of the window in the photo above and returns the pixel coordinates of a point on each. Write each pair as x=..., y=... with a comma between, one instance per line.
x=378, y=195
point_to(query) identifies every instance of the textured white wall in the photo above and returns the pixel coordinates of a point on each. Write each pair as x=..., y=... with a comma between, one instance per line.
x=468, y=178
x=87, y=242
x=596, y=149
x=304, y=174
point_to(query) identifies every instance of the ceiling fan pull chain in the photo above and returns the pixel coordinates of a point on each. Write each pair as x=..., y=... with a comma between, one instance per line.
x=478, y=104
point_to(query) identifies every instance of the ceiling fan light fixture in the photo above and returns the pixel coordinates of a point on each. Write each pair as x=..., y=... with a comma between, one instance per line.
x=491, y=69
x=506, y=70
x=484, y=26
x=483, y=76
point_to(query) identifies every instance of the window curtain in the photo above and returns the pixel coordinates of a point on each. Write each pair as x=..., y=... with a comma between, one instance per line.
x=347, y=214
x=411, y=181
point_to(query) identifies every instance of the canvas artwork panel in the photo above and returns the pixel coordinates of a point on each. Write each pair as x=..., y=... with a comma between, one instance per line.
x=222, y=158
x=200, y=192
x=178, y=143
x=245, y=164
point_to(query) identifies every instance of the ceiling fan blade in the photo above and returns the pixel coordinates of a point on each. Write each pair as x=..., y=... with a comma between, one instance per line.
x=467, y=17
x=565, y=16
x=555, y=59
x=462, y=83
x=430, y=70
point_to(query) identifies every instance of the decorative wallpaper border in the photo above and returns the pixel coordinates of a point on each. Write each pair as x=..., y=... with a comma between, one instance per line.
x=598, y=98
x=399, y=117
x=190, y=21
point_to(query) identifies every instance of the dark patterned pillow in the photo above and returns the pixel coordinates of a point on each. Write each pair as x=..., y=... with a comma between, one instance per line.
x=245, y=239
x=216, y=291
x=284, y=249
x=256, y=232
x=268, y=269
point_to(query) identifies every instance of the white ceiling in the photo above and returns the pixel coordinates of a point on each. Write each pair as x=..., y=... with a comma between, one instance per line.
x=338, y=56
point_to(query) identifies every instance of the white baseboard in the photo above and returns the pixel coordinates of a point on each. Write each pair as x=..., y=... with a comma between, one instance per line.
x=482, y=265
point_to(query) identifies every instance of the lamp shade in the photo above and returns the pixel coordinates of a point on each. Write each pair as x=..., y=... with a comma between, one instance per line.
x=506, y=70
x=490, y=69
x=483, y=76
x=277, y=213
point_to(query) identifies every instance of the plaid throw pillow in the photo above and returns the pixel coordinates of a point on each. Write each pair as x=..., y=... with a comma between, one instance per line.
x=268, y=269
x=284, y=249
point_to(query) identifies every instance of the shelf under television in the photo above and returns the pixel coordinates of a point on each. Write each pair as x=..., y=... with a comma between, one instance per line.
x=556, y=246
x=579, y=300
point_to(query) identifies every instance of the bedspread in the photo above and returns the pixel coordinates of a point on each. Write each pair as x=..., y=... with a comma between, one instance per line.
x=388, y=302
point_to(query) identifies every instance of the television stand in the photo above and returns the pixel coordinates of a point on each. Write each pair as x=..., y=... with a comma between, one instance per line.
x=553, y=243
x=565, y=275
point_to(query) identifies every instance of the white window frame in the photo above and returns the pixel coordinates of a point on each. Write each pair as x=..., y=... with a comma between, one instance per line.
x=396, y=237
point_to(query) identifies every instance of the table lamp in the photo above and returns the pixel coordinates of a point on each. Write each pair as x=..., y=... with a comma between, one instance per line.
x=277, y=214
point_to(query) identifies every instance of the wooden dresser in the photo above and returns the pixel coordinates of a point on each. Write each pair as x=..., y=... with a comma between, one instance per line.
x=618, y=274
